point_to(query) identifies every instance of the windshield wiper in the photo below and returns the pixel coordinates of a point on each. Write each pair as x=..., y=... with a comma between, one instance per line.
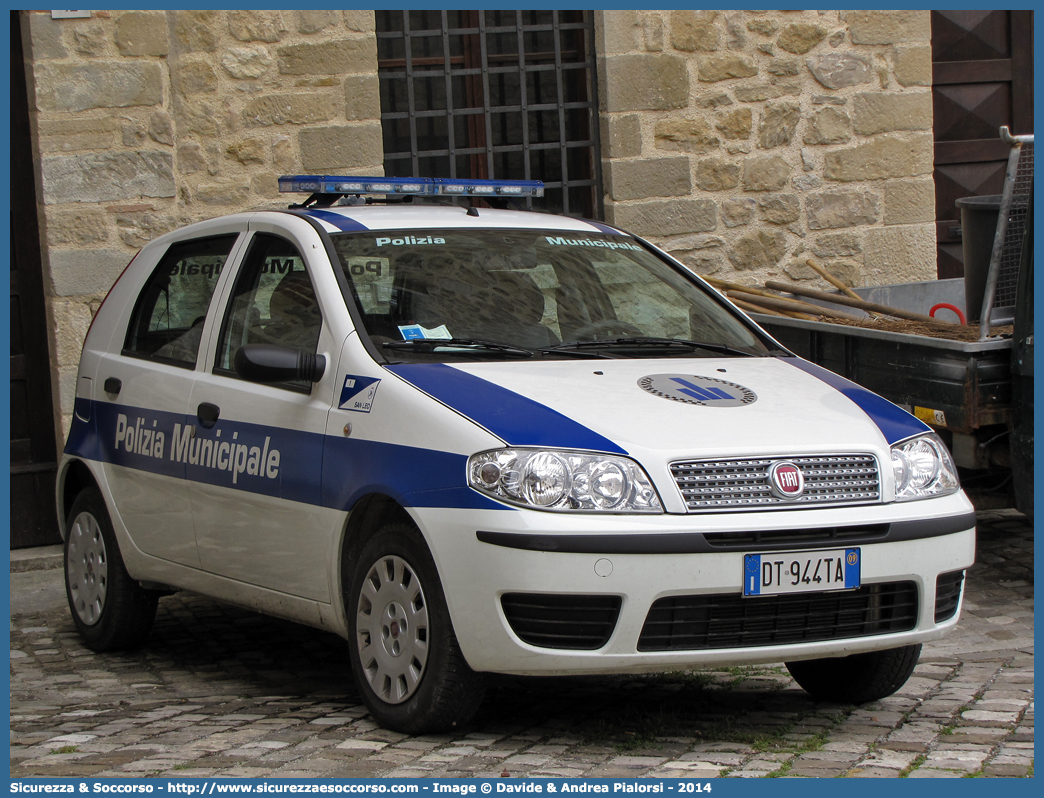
x=470, y=344
x=650, y=343
x=570, y=351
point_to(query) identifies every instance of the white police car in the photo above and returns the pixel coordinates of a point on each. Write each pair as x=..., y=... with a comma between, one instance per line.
x=476, y=440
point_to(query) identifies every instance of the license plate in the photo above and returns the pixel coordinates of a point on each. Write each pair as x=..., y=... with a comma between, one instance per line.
x=800, y=572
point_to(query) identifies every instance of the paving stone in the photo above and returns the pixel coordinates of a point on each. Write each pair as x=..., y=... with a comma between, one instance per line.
x=951, y=760
x=799, y=771
x=902, y=745
x=746, y=774
x=1017, y=771
x=987, y=717
x=934, y=773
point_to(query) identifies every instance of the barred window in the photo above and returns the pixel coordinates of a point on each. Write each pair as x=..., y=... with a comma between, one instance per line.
x=493, y=95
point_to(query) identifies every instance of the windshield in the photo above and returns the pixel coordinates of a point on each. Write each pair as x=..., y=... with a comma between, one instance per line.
x=499, y=294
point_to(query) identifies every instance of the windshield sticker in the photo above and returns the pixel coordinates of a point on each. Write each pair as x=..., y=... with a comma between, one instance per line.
x=590, y=242
x=357, y=393
x=695, y=390
x=407, y=240
x=189, y=269
x=370, y=268
x=412, y=332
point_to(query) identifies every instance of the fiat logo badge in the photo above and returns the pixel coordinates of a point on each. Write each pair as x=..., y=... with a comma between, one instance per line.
x=786, y=480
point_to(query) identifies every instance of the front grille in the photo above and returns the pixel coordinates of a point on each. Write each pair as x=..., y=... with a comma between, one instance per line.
x=550, y=620
x=821, y=536
x=742, y=484
x=947, y=594
x=687, y=623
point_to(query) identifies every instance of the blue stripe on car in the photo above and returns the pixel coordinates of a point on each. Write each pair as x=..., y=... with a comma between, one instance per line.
x=353, y=468
x=294, y=465
x=343, y=223
x=894, y=422
x=510, y=416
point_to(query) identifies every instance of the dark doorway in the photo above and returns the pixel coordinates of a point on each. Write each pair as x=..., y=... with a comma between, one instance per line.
x=33, y=449
x=493, y=95
x=982, y=78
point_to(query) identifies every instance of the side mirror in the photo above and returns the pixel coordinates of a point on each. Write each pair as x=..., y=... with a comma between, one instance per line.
x=269, y=363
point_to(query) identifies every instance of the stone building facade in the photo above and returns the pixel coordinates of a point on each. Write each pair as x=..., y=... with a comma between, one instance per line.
x=746, y=142
x=743, y=142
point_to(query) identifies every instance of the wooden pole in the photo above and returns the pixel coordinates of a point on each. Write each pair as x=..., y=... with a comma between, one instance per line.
x=782, y=303
x=831, y=279
x=862, y=304
x=754, y=291
x=725, y=285
x=753, y=308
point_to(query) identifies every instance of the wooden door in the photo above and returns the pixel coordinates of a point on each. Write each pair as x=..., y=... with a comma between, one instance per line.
x=982, y=78
x=33, y=449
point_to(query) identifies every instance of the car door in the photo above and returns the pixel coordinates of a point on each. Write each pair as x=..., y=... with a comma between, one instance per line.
x=255, y=466
x=141, y=386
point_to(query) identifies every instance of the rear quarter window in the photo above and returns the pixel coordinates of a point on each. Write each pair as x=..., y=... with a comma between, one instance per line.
x=167, y=323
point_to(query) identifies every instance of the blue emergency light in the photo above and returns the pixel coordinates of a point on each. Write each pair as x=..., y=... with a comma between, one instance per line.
x=486, y=188
x=409, y=186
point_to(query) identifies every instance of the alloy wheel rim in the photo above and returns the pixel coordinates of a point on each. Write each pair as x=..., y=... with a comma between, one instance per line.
x=87, y=568
x=392, y=629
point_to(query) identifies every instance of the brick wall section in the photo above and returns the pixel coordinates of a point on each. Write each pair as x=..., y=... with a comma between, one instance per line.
x=745, y=142
x=150, y=120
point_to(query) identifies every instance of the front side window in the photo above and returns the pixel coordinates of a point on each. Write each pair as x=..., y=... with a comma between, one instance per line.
x=548, y=293
x=273, y=302
x=168, y=317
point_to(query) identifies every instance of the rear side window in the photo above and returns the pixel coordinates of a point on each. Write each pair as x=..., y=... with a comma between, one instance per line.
x=168, y=317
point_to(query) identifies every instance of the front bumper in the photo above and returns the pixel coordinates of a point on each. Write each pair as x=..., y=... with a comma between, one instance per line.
x=476, y=575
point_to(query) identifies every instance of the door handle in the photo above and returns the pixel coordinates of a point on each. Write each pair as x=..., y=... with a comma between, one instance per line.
x=112, y=385
x=207, y=414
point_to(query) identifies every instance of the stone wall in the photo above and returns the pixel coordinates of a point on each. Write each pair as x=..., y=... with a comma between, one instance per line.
x=149, y=120
x=745, y=142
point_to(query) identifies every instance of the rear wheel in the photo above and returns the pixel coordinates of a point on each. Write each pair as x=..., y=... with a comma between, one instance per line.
x=404, y=654
x=111, y=611
x=858, y=678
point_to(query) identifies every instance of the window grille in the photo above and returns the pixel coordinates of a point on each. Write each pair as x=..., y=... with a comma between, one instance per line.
x=493, y=95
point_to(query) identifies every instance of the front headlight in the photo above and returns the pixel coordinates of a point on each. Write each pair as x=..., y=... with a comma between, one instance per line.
x=547, y=479
x=923, y=467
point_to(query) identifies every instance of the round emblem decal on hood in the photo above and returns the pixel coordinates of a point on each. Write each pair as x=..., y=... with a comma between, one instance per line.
x=695, y=390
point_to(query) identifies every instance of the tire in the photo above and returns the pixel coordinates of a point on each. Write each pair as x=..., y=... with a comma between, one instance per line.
x=111, y=611
x=858, y=678
x=404, y=654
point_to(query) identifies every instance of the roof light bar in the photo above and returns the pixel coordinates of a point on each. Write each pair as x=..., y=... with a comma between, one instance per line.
x=316, y=184
x=481, y=188
x=424, y=186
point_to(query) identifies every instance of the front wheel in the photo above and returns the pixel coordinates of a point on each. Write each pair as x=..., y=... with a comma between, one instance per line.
x=858, y=678
x=404, y=653
x=110, y=610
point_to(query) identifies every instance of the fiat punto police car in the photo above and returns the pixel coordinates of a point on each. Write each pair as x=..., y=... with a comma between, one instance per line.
x=476, y=441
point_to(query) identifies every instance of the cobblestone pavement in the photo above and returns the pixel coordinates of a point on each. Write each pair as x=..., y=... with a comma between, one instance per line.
x=220, y=691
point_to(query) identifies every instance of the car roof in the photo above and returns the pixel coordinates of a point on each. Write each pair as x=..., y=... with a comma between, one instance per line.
x=420, y=216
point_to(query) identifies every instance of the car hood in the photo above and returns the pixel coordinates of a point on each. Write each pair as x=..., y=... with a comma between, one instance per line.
x=667, y=408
